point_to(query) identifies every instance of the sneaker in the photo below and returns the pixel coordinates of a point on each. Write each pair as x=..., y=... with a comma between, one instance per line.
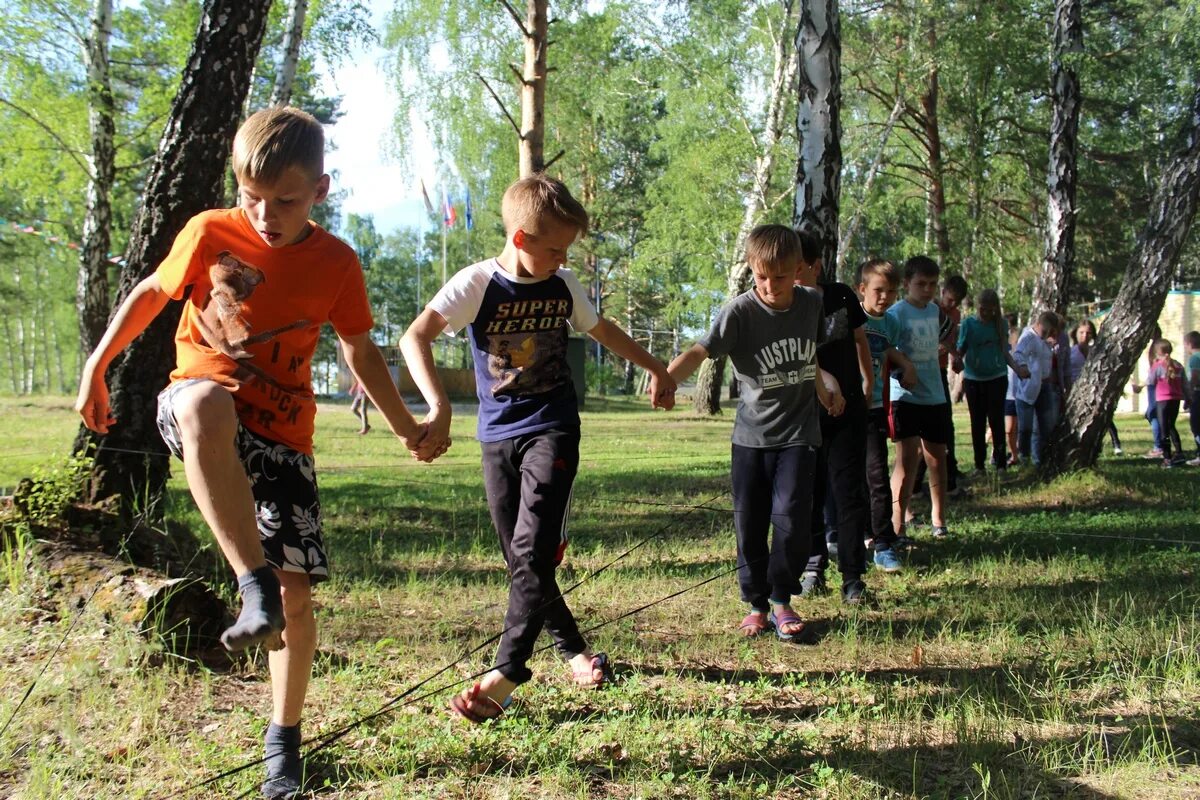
x=940, y=532
x=853, y=593
x=812, y=583
x=887, y=560
x=1153, y=454
x=1195, y=462
x=1168, y=464
x=1117, y=451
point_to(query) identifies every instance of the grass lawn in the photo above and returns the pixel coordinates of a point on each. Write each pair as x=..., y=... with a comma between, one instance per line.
x=1049, y=649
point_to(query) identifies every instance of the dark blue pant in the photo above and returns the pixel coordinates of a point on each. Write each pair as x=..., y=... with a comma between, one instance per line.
x=1168, y=413
x=879, y=479
x=841, y=468
x=528, y=480
x=985, y=402
x=772, y=492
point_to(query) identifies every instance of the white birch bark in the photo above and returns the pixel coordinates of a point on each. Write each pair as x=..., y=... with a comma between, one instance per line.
x=91, y=289
x=285, y=78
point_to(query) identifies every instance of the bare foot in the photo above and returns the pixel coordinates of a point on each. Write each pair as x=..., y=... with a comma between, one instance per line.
x=588, y=670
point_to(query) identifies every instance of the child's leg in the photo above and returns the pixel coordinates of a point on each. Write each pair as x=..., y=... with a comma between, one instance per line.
x=528, y=481
x=791, y=472
x=1010, y=426
x=753, y=481
x=908, y=454
x=935, y=460
x=291, y=669
x=1194, y=422
x=879, y=488
x=200, y=425
x=847, y=463
x=818, y=547
x=948, y=412
x=974, y=391
x=993, y=402
x=1024, y=429
x=1168, y=414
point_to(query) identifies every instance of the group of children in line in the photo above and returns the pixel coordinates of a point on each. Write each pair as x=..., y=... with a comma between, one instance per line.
x=828, y=377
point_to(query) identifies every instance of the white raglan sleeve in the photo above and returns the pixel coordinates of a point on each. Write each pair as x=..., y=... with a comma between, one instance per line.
x=583, y=314
x=459, y=300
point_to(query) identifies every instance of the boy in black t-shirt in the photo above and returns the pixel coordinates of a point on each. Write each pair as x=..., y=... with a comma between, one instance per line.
x=841, y=459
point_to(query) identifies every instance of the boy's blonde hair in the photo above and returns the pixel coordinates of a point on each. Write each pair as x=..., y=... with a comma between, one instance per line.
x=528, y=202
x=881, y=267
x=273, y=139
x=772, y=247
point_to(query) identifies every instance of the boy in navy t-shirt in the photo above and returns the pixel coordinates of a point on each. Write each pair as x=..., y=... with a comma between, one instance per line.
x=517, y=307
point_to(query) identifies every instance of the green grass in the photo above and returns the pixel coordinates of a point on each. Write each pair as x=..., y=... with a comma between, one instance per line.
x=1051, y=649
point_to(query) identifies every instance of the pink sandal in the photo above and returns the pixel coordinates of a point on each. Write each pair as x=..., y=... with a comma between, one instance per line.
x=786, y=617
x=476, y=707
x=754, y=624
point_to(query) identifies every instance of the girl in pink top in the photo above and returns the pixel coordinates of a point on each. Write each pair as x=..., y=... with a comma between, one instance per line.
x=1167, y=376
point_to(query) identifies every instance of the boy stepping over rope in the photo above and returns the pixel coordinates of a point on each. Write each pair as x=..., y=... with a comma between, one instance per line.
x=771, y=334
x=239, y=409
x=517, y=307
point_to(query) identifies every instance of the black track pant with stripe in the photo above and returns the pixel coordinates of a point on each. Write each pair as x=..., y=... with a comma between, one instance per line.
x=528, y=480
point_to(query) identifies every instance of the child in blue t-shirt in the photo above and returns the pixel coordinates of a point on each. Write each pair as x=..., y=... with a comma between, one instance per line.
x=517, y=307
x=983, y=345
x=878, y=283
x=1191, y=383
x=919, y=414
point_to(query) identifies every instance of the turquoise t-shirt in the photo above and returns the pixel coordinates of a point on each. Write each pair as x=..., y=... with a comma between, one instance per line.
x=882, y=332
x=983, y=348
x=920, y=331
x=1193, y=364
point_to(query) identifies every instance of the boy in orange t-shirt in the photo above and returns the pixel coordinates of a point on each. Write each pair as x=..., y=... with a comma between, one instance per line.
x=239, y=409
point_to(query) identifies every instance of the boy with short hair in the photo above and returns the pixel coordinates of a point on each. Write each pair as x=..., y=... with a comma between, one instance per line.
x=919, y=414
x=770, y=334
x=1034, y=358
x=841, y=457
x=517, y=307
x=878, y=283
x=1191, y=349
x=239, y=410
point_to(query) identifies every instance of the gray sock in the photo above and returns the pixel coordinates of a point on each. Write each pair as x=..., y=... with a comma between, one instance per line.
x=284, y=767
x=262, y=610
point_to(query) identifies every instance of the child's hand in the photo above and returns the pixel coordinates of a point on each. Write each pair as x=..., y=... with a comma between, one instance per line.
x=662, y=390
x=909, y=379
x=436, y=440
x=1023, y=373
x=956, y=363
x=92, y=402
x=836, y=404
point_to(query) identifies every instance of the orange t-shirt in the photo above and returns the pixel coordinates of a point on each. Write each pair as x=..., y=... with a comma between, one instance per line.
x=254, y=314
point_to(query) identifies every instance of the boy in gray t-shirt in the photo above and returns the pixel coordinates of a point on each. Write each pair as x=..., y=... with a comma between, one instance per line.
x=771, y=334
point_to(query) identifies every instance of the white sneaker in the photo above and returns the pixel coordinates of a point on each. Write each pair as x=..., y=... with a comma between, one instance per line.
x=1117, y=451
x=1195, y=462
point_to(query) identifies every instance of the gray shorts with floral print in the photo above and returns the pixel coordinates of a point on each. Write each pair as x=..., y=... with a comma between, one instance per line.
x=284, y=484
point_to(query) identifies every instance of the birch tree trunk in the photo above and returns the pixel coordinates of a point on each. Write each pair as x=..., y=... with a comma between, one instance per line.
x=936, y=196
x=187, y=177
x=285, y=78
x=1050, y=293
x=711, y=375
x=91, y=289
x=818, y=126
x=1123, y=336
x=532, y=158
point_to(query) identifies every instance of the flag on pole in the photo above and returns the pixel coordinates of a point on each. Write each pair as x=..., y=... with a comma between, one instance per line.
x=468, y=212
x=449, y=215
x=425, y=195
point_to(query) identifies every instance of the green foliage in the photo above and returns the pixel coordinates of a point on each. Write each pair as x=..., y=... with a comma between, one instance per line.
x=50, y=488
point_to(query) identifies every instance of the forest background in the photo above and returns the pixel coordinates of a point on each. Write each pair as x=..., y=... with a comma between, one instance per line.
x=658, y=115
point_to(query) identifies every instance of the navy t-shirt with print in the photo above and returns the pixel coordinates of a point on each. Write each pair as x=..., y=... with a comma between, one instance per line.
x=518, y=333
x=839, y=354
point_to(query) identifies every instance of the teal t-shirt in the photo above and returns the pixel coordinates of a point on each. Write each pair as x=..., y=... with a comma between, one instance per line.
x=920, y=331
x=882, y=332
x=983, y=348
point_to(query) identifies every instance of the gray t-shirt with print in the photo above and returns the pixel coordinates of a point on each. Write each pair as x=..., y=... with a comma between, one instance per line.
x=774, y=355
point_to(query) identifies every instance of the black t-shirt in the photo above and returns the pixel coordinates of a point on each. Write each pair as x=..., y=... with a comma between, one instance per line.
x=839, y=355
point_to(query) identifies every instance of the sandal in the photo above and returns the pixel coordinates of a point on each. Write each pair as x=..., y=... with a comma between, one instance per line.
x=585, y=678
x=754, y=624
x=786, y=617
x=476, y=707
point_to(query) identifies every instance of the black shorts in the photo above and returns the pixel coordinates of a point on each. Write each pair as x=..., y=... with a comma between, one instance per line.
x=284, y=484
x=931, y=423
x=1010, y=408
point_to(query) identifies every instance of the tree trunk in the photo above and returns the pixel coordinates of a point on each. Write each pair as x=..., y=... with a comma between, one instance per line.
x=187, y=178
x=533, y=90
x=91, y=290
x=936, y=197
x=711, y=374
x=285, y=78
x=1051, y=291
x=818, y=126
x=1123, y=336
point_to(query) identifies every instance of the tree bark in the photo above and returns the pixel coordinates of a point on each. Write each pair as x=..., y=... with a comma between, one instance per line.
x=533, y=90
x=711, y=375
x=818, y=126
x=936, y=197
x=1052, y=289
x=1123, y=336
x=187, y=177
x=91, y=289
x=285, y=78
